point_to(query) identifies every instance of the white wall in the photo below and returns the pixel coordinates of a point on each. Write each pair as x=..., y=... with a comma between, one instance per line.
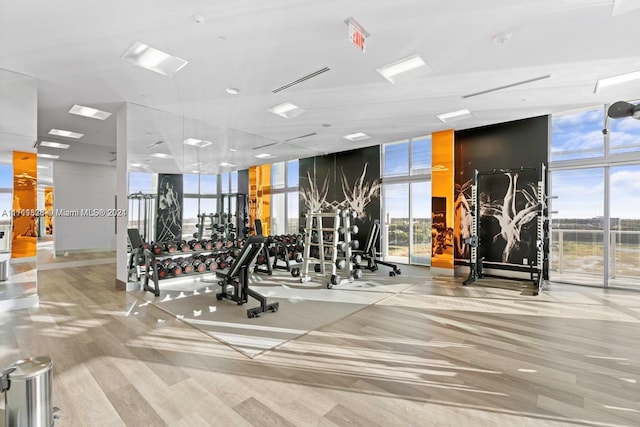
x=83, y=186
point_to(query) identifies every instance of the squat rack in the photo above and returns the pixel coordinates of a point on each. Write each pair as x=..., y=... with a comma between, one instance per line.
x=539, y=270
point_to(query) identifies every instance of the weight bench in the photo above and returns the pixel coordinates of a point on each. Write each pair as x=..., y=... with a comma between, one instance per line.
x=237, y=276
x=369, y=251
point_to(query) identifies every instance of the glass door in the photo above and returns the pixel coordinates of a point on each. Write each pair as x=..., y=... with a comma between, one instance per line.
x=396, y=222
x=577, y=226
x=421, y=223
x=624, y=246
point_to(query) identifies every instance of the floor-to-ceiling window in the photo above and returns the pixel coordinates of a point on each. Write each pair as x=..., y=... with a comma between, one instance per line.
x=595, y=225
x=284, y=198
x=406, y=197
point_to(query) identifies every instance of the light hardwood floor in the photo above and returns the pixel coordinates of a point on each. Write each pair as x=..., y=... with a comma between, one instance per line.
x=438, y=354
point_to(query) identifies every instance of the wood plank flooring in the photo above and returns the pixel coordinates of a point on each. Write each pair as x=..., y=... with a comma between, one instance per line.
x=438, y=354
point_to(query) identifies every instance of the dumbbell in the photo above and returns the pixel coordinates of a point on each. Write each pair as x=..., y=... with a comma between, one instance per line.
x=317, y=268
x=219, y=244
x=357, y=273
x=206, y=244
x=356, y=259
x=261, y=260
x=211, y=264
x=298, y=257
x=342, y=246
x=354, y=229
x=194, y=245
x=173, y=268
x=354, y=244
x=162, y=271
x=199, y=266
x=186, y=266
x=170, y=247
x=156, y=248
x=222, y=264
x=341, y=263
x=341, y=230
x=183, y=246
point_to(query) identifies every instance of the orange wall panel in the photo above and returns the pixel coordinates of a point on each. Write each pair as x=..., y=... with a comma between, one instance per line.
x=442, y=188
x=24, y=234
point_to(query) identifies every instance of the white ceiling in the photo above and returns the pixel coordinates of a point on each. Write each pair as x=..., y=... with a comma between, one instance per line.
x=73, y=48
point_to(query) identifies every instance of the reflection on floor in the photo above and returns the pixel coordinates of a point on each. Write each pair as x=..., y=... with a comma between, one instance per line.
x=20, y=289
x=435, y=354
x=308, y=305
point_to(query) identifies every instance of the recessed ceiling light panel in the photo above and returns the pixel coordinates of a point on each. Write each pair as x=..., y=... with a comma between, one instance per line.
x=286, y=110
x=616, y=80
x=358, y=136
x=232, y=90
x=227, y=165
x=136, y=165
x=161, y=155
x=81, y=110
x=152, y=59
x=48, y=156
x=43, y=167
x=52, y=144
x=408, y=68
x=454, y=115
x=265, y=156
x=197, y=142
x=65, y=133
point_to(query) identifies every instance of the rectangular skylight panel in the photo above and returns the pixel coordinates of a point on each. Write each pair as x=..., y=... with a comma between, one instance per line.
x=358, y=136
x=81, y=110
x=52, y=144
x=616, y=80
x=65, y=133
x=153, y=59
x=408, y=68
x=454, y=115
x=48, y=156
x=161, y=155
x=265, y=156
x=197, y=142
x=286, y=110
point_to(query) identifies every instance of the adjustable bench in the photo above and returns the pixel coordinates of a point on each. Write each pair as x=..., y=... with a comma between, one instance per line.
x=237, y=276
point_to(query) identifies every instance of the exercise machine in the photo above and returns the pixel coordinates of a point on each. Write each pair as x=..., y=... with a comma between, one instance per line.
x=511, y=222
x=369, y=253
x=237, y=278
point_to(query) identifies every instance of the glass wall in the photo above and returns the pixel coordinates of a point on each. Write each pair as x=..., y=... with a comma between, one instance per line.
x=406, y=193
x=594, y=187
x=284, y=198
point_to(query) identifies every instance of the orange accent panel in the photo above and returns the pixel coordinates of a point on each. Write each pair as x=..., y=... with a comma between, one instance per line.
x=260, y=196
x=442, y=188
x=25, y=176
x=48, y=208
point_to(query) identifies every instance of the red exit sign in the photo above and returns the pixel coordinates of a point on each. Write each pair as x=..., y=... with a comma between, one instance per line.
x=357, y=35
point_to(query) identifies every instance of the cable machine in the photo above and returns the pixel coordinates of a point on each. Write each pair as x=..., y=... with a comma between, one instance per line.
x=141, y=213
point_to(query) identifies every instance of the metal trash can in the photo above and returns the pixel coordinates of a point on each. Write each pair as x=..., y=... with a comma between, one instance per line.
x=27, y=387
x=3, y=271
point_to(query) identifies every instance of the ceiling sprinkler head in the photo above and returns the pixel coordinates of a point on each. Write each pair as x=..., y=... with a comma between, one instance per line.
x=198, y=19
x=503, y=37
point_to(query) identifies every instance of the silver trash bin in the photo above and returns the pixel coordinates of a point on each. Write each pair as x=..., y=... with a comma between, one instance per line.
x=27, y=387
x=3, y=271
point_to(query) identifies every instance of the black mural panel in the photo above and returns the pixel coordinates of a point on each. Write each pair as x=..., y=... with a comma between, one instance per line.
x=169, y=223
x=347, y=180
x=508, y=216
x=505, y=148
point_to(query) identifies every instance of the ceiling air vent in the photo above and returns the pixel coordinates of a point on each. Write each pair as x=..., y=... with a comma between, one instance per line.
x=260, y=147
x=495, y=89
x=300, y=137
x=301, y=79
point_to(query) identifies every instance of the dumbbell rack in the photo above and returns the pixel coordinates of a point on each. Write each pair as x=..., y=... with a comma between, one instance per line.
x=149, y=266
x=315, y=226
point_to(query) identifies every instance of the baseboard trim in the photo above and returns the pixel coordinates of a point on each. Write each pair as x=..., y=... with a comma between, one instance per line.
x=23, y=260
x=121, y=285
x=82, y=251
